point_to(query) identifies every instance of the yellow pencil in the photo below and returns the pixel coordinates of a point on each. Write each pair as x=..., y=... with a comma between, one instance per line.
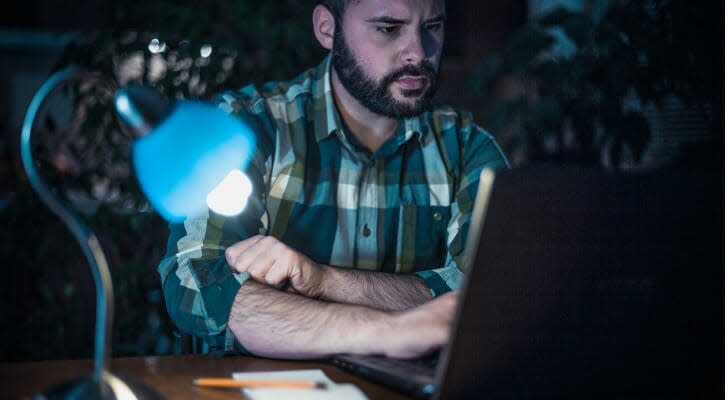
x=256, y=383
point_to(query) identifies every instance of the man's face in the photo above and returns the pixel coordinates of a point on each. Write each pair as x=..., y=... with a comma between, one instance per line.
x=386, y=54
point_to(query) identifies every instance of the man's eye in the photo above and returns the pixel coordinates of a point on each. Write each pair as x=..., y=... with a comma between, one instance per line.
x=434, y=27
x=387, y=28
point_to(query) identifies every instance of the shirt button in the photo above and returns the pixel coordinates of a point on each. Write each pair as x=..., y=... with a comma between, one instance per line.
x=366, y=231
x=437, y=217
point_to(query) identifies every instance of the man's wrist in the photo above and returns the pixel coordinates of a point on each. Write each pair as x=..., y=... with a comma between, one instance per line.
x=313, y=283
x=326, y=276
x=392, y=335
x=373, y=336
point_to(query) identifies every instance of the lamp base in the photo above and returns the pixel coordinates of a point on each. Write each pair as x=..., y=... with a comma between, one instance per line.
x=108, y=387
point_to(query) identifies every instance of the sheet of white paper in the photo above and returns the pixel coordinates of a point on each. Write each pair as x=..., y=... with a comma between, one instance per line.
x=332, y=391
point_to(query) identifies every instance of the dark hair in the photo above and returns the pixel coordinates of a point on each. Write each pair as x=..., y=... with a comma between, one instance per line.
x=337, y=7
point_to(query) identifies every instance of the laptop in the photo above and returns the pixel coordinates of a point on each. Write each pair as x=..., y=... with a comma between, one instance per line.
x=582, y=283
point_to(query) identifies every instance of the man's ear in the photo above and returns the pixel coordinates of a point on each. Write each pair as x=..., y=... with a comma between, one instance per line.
x=323, y=26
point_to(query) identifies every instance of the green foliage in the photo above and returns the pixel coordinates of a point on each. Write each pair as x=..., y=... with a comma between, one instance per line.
x=572, y=86
x=39, y=300
x=49, y=296
x=201, y=48
x=251, y=43
x=84, y=154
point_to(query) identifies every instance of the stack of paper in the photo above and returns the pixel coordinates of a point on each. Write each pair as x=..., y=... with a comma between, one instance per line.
x=332, y=390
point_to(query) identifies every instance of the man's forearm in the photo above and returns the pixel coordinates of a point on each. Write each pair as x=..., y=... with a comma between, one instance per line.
x=380, y=290
x=274, y=323
x=268, y=260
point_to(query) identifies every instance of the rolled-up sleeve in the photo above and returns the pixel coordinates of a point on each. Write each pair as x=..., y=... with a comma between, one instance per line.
x=198, y=285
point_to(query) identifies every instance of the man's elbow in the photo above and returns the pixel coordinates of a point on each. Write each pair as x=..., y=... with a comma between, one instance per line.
x=252, y=326
x=193, y=324
x=190, y=314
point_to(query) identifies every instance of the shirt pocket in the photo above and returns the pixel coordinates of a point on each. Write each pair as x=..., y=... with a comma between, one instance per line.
x=422, y=236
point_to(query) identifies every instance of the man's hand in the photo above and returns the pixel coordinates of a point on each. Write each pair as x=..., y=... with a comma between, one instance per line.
x=423, y=329
x=270, y=261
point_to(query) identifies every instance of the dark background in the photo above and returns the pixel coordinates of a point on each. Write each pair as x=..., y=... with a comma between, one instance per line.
x=631, y=87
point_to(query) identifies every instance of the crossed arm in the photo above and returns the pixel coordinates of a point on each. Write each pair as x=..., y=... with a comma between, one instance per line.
x=327, y=310
x=271, y=262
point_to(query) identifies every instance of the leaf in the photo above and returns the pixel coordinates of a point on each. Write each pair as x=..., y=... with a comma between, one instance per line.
x=548, y=115
x=524, y=46
x=555, y=17
x=577, y=25
x=483, y=78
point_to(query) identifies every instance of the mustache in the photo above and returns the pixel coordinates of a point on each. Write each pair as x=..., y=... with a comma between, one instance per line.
x=424, y=69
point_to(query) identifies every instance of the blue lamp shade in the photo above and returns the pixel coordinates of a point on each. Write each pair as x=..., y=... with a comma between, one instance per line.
x=188, y=154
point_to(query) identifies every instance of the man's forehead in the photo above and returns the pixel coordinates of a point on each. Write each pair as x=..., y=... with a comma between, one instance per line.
x=397, y=9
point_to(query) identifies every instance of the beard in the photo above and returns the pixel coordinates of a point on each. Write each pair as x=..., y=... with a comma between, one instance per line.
x=375, y=95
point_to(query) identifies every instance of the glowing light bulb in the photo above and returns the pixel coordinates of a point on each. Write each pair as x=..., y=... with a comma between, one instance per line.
x=205, y=50
x=230, y=196
x=156, y=46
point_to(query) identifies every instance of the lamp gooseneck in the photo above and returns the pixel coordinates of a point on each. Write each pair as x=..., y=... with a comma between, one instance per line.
x=209, y=149
x=86, y=239
x=102, y=384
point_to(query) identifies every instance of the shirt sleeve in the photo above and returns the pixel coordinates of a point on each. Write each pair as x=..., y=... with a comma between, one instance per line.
x=478, y=149
x=198, y=285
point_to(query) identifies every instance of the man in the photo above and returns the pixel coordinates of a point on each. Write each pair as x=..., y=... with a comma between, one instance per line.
x=362, y=199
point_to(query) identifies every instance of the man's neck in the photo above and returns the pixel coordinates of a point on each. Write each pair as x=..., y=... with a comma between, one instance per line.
x=371, y=130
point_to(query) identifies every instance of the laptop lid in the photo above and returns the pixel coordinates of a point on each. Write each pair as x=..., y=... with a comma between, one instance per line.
x=588, y=283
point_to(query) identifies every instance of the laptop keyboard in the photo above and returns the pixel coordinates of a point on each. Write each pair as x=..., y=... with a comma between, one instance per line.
x=415, y=377
x=422, y=367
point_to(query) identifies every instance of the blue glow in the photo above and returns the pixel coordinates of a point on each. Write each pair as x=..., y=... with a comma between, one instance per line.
x=186, y=156
x=126, y=109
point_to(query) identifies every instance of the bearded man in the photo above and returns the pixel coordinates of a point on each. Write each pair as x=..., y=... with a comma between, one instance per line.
x=353, y=239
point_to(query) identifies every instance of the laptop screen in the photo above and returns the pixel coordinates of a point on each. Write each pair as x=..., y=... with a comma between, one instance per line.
x=585, y=282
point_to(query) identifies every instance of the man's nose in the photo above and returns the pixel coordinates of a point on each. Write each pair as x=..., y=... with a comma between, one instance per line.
x=414, y=50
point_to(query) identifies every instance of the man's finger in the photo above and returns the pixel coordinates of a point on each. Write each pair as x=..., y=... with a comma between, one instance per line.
x=233, y=251
x=277, y=275
x=256, y=259
x=259, y=268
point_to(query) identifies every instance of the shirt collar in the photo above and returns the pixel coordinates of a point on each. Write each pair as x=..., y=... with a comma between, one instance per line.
x=418, y=125
x=324, y=108
x=326, y=113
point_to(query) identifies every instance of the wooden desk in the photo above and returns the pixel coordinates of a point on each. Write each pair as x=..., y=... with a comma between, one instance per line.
x=171, y=376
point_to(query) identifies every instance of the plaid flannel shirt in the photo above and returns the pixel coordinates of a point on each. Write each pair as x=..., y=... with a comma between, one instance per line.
x=404, y=209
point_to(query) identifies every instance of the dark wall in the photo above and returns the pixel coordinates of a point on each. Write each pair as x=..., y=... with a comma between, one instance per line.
x=54, y=14
x=475, y=30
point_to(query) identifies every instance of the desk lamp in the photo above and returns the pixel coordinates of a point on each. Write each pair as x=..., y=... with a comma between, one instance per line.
x=187, y=155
